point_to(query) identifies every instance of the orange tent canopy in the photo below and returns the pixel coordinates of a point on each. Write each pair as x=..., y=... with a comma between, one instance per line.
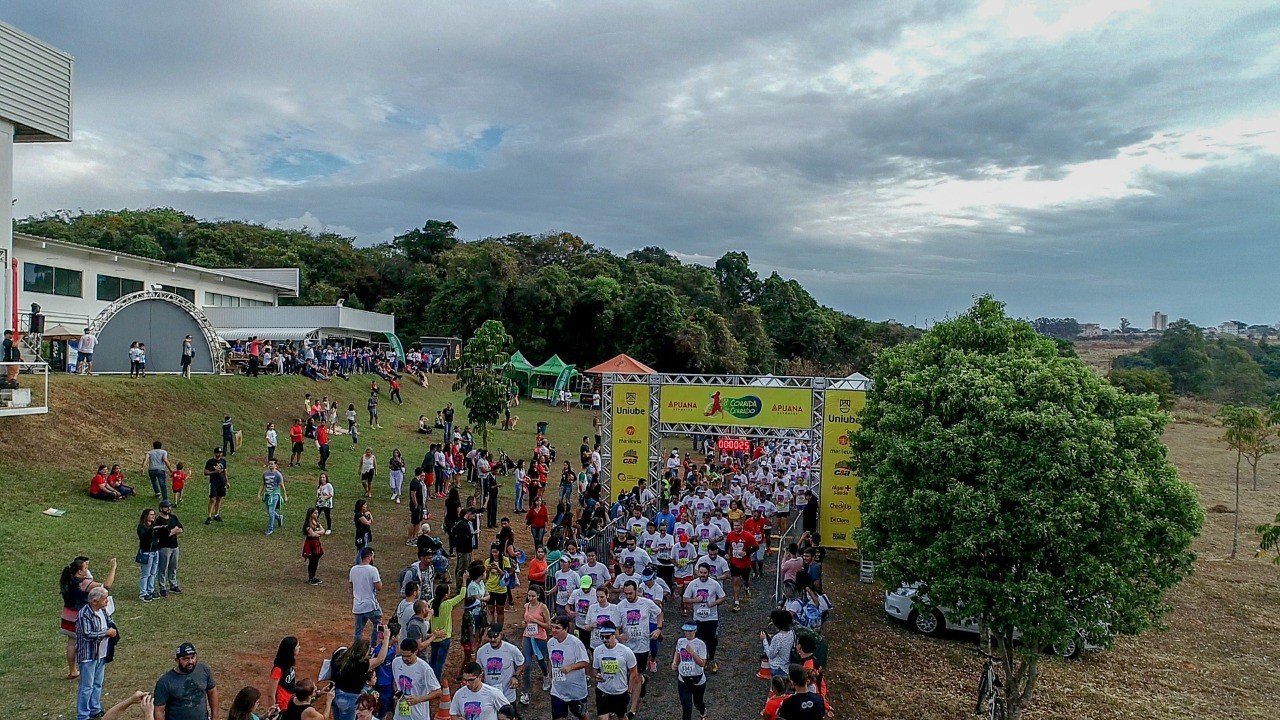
x=622, y=364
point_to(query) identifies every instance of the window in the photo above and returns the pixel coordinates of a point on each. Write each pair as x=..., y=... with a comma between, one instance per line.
x=112, y=288
x=51, y=280
x=187, y=293
x=213, y=299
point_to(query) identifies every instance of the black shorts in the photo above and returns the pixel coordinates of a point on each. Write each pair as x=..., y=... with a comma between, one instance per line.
x=217, y=488
x=186, y=360
x=561, y=708
x=496, y=599
x=297, y=448
x=366, y=477
x=612, y=704
x=415, y=515
x=740, y=572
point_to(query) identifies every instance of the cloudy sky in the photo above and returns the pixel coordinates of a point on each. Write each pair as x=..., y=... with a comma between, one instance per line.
x=1094, y=158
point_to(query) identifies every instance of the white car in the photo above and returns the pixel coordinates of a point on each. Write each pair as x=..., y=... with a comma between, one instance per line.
x=900, y=604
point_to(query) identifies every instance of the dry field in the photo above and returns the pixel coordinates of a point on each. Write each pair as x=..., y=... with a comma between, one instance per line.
x=1216, y=658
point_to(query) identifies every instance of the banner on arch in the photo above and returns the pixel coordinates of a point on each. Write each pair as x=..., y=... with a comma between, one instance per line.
x=629, y=437
x=839, y=512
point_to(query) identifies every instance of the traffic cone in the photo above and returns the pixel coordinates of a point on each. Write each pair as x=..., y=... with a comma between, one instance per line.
x=764, y=673
x=442, y=712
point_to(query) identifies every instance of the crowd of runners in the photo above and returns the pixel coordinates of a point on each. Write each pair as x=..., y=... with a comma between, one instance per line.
x=603, y=598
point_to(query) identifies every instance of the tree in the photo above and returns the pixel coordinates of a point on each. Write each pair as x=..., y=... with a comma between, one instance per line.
x=1251, y=433
x=1124, y=325
x=1182, y=352
x=1236, y=377
x=1139, y=381
x=739, y=284
x=424, y=245
x=480, y=373
x=1270, y=541
x=1063, y=328
x=1021, y=486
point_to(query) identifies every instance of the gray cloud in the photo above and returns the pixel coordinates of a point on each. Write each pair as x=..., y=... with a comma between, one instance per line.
x=1086, y=159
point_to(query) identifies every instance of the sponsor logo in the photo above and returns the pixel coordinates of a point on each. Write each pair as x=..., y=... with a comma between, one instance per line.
x=842, y=472
x=630, y=398
x=840, y=506
x=630, y=457
x=631, y=430
x=846, y=406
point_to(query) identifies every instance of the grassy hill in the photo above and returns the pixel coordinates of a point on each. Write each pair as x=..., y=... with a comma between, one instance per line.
x=242, y=591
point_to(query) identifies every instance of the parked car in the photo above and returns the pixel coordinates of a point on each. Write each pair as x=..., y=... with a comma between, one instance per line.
x=900, y=604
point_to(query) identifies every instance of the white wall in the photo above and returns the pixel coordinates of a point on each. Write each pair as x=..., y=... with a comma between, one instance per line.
x=63, y=309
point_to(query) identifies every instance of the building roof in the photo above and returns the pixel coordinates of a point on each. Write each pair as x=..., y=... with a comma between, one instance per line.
x=622, y=364
x=288, y=289
x=268, y=333
x=36, y=93
x=301, y=317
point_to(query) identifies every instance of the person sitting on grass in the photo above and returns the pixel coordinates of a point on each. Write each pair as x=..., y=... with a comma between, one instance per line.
x=116, y=481
x=100, y=488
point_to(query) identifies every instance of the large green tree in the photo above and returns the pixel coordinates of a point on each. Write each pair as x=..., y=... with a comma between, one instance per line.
x=480, y=374
x=1021, y=486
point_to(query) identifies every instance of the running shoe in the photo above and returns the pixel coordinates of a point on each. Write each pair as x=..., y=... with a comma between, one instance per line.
x=145, y=598
x=175, y=590
x=328, y=532
x=524, y=698
x=546, y=682
x=314, y=581
x=737, y=606
x=217, y=518
x=208, y=521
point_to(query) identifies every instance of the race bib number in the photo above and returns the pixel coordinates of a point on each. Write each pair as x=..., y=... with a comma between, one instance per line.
x=530, y=630
x=739, y=550
x=688, y=668
x=702, y=612
x=610, y=666
x=403, y=708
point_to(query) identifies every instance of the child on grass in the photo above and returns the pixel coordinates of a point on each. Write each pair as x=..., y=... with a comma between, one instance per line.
x=179, y=481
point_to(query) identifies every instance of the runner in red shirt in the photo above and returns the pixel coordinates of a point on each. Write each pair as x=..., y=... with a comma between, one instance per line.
x=742, y=546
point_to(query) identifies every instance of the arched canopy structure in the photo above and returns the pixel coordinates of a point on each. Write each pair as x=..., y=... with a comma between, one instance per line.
x=161, y=320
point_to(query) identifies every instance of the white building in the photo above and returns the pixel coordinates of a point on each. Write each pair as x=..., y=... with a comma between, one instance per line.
x=1159, y=321
x=73, y=283
x=1092, y=330
x=1232, y=327
x=35, y=106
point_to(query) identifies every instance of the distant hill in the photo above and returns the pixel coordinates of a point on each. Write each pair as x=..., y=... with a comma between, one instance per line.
x=554, y=292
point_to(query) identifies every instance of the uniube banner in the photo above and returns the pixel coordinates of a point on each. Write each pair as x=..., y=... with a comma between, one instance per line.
x=629, y=436
x=839, y=515
x=738, y=406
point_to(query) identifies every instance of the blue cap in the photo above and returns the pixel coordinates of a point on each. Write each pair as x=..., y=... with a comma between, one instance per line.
x=689, y=627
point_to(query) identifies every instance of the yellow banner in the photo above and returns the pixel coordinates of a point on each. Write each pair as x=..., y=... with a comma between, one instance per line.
x=738, y=406
x=839, y=513
x=629, y=437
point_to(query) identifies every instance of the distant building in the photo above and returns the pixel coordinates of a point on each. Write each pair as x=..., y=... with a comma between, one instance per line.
x=1232, y=327
x=1092, y=330
x=1159, y=321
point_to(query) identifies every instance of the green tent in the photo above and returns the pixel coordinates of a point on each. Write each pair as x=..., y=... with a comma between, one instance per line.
x=547, y=377
x=520, y=370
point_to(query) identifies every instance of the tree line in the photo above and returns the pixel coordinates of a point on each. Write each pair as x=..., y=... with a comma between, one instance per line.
x=553, y=292
x=1184, y=362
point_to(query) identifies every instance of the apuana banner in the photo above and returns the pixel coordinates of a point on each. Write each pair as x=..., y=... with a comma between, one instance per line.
x=629, y=436
x=738, y=406
x=840, y=514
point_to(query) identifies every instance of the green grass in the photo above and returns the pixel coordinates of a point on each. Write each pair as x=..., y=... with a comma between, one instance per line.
x=242, y=591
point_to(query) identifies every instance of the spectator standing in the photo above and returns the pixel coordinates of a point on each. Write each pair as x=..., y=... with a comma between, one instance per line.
x=215, y=468
x=447, y=415
x=273, y=495
x=187, y=691
x=84, y=351
x=156, y=463
x=322, y=445
x=365, y=584
x=324, y=501
x=148, y=555
x=802, y=704
x=94, y=631
x=228, y=436
x=284, y=675
x=312, y=547
x=373, y=409
x=167, y=532
x=272, y=438
x=188, y=352
x=297, y=435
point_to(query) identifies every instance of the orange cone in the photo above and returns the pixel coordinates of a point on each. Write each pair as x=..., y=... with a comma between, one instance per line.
x=442, y=712
x=765, y=673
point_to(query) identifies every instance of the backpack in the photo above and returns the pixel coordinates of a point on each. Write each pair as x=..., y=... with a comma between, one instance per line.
x=409, y=573
x=819, y=646
x=440, y=563
x=809, y=616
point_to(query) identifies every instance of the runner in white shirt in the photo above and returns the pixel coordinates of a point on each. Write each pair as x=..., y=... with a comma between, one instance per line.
x=566, y=582
x=683, y=556
x=569, y=661
x=705, y=595
x=717, y=566
x=579, y=603
x=635, y=556
x=641, y=626
x=596, y=570
x=688, y=662
x=476, y=699
x=654, y=587
x=416, y=685
x=707, y=533
x=500, y=662
x=601, y=612
x=618, y=682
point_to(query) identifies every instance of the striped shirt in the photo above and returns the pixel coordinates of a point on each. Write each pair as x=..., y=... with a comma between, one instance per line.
x=91, y=634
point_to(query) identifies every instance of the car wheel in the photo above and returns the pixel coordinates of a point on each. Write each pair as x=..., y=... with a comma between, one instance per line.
x=928, y=623
x=1071, y=650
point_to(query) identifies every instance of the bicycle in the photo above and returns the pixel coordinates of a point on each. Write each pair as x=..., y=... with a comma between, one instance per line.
x=990, y=690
